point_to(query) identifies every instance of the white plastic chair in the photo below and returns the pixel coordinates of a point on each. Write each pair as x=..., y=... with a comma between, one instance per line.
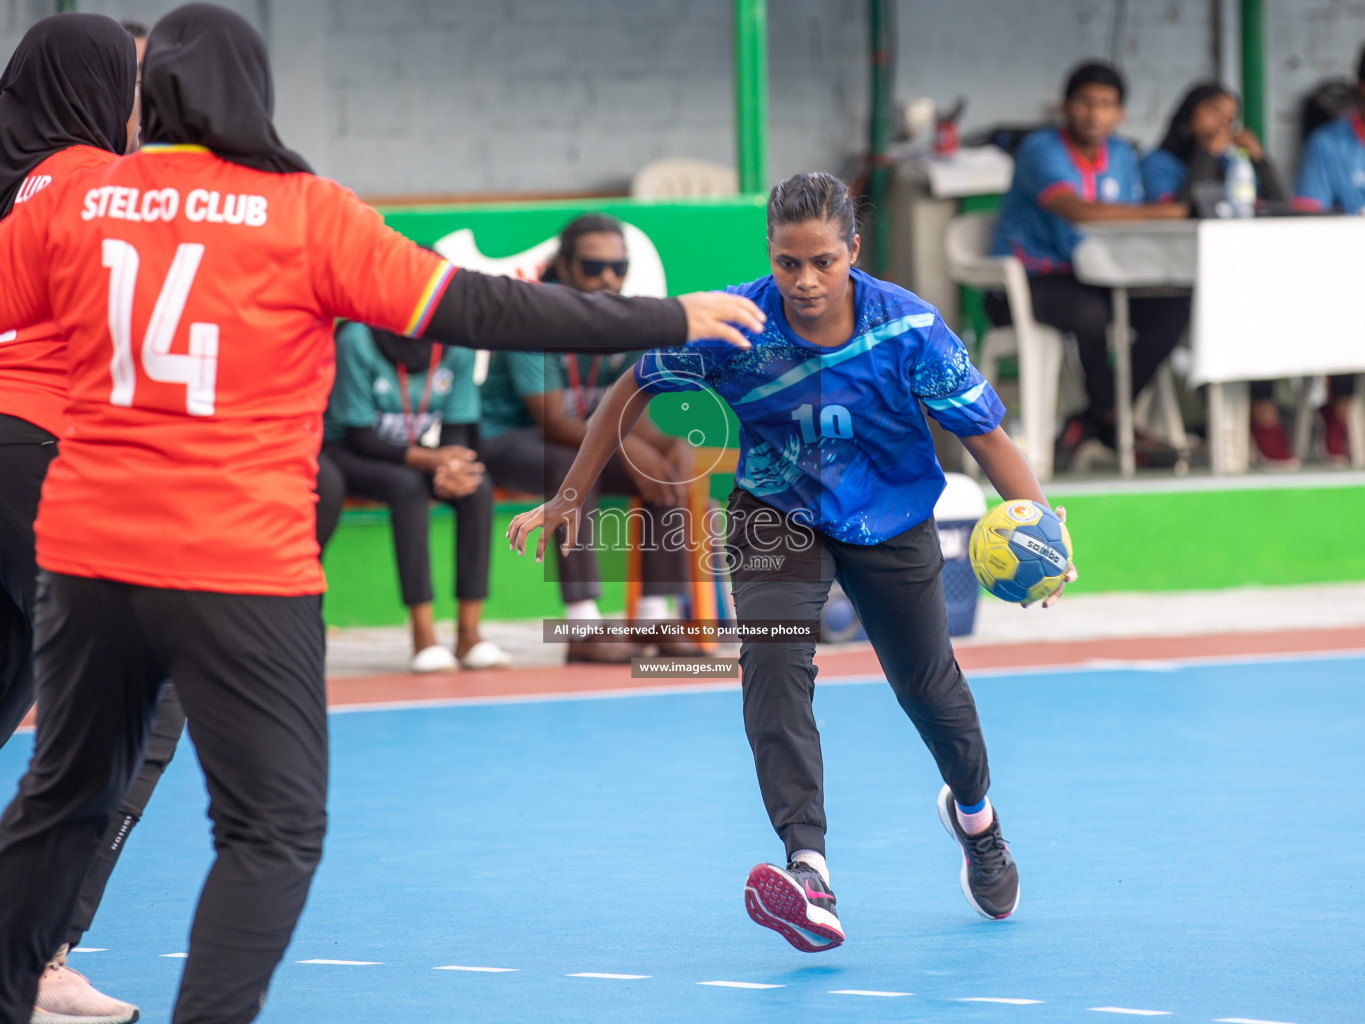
x=677, y=178
x=1037, y=347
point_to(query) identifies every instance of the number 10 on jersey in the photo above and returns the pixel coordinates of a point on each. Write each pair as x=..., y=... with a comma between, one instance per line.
x=835, y=421
x=198, y=370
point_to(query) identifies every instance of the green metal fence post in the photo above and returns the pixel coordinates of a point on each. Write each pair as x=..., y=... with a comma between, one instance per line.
x=879, y=132
x=751, y=95
x=1253, y=65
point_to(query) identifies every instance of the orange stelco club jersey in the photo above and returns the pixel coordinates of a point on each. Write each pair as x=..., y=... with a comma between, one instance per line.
x=33, y=360
x=197, y=297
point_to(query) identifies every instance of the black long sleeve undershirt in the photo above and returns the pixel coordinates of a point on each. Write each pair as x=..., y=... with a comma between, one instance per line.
x=502, y=313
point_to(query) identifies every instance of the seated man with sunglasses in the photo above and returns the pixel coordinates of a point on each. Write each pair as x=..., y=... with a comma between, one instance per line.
x=535, y=414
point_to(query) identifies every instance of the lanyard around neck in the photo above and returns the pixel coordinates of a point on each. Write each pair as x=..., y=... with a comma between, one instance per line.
x=409, y=420
x=580, y=392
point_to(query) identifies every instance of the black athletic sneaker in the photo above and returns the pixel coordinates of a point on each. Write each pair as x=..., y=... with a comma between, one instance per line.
x=796, y=903
x=1077, y=431
x=990, y=880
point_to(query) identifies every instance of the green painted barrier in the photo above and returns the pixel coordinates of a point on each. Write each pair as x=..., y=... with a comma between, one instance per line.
x=1210, y=540
x=362, y=578
x=703, y=244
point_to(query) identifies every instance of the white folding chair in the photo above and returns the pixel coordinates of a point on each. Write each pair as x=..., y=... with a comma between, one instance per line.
x=678, y=178
x=1037, y=347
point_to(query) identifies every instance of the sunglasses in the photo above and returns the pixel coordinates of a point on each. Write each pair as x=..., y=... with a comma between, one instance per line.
x=596, y=268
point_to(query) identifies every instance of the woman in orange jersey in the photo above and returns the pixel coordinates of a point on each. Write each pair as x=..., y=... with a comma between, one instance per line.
x=196, y=282
x=68, y=103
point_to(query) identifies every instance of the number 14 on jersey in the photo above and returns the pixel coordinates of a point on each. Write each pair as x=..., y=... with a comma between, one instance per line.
x=197, y=370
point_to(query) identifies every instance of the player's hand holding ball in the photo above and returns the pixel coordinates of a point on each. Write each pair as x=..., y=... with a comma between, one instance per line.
x=1021, y=551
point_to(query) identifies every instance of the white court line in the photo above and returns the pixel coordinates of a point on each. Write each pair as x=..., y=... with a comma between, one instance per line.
x=1131, y=665
x=480, y=970
x=865, y=992
x=343, y=963
x=993, y=999
x=1135, y=1013
x=614, y=977
x=174, y=956
x=91, y=949
x=738, y=984
x=1247, y=1020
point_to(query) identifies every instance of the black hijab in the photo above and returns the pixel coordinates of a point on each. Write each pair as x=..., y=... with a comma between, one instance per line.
x=70, y=82
x=206, y=81
x=1179, y=140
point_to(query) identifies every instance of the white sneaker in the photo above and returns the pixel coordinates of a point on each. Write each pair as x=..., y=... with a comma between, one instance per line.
x=486, y=654
x=67, y=997
x=432, y=659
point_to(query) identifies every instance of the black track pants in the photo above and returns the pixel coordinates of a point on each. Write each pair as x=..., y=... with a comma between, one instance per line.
x=249, y=671
x=783, y=571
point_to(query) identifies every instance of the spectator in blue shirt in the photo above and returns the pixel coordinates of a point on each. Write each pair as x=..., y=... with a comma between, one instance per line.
x=1190, y=166
x=1065, y=176
x=1332, y=177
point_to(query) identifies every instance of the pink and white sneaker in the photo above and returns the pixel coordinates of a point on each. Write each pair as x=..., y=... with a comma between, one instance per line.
x=67, y=997
x=796, y=903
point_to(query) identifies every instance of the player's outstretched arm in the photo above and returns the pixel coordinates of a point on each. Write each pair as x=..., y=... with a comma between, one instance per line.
x=612, y=421
x=1012, y=477
x=489, y=312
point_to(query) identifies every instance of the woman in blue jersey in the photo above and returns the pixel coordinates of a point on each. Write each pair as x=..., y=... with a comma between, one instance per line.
x=1190, y=166
x=837, y=479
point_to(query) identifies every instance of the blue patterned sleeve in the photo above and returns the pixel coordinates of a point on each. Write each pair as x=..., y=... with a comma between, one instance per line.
x=951, y=388
x=690, y=368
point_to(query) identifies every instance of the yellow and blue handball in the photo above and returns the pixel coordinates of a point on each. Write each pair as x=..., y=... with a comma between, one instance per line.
x=1020, y=551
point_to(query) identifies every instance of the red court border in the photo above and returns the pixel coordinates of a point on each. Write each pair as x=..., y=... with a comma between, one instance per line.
x=563, y=680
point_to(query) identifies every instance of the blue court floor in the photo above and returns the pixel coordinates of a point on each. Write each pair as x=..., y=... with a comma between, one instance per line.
x=583, y=860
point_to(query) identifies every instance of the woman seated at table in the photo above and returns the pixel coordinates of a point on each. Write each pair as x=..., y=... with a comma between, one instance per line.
x=1190, y=166
x=1332, y=177
x=401, y=427
x=1078, y=172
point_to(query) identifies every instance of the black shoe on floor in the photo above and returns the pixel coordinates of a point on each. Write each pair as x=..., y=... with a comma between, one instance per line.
x=1151, y=453
x=796, y=903
x=990, y=880
x=1077, y=431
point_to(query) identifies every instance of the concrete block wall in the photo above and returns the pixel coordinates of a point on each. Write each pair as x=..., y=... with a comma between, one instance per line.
x=1307, y=41
x=469, y=96
x=1010, y=60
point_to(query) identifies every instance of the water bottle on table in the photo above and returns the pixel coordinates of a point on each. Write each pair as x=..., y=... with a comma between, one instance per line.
x=1239, y=184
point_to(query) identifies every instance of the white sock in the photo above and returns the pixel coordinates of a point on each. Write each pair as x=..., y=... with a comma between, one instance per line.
x=815, y=860
x=586, y=609
x=978, y=822
x=652, y=606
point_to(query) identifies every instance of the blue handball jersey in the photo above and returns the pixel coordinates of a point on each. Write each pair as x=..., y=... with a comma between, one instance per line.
x=1045, y=164
x=1332, y=173
x=836, y=437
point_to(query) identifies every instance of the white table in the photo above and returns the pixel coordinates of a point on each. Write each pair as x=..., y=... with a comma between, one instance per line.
x=1122, y=255
x=1274, y=298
